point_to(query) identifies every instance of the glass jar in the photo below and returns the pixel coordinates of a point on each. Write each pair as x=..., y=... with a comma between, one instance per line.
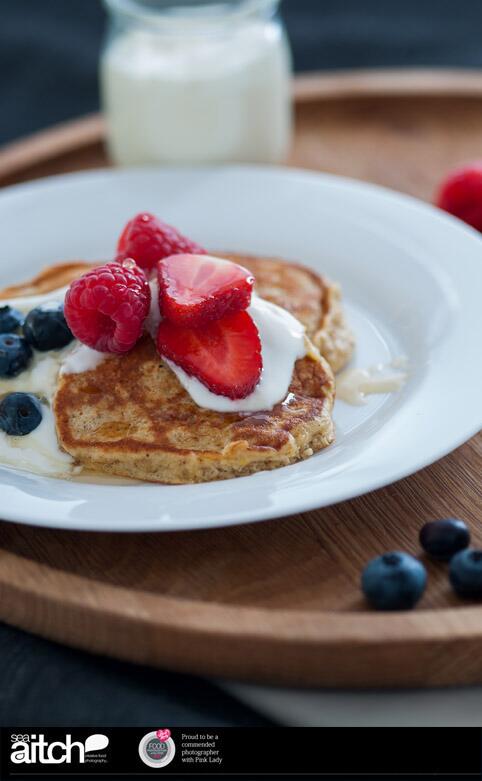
x=196, y=82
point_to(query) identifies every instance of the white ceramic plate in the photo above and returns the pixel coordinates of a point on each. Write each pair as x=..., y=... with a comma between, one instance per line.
x=412, y=281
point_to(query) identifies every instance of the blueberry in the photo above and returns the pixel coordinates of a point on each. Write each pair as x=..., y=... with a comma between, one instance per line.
x=20, y=413
x=10, y=319
x=394, y=581
x=15, y=354
x=465, y=573
x=442, y=539
x=46, y=328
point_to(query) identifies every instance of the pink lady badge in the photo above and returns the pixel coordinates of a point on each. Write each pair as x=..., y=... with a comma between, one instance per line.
x=157, y=748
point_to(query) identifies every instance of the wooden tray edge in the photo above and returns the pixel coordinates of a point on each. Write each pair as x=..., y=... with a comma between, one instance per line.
x=76, y=134
x=50, y=143
x=456, y=82
x=289, y=647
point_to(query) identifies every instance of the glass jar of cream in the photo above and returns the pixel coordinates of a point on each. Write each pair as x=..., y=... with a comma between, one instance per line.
x=196, y=82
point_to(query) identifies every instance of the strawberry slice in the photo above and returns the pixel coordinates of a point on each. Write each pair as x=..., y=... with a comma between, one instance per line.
x=195, y=289
x=225, y=355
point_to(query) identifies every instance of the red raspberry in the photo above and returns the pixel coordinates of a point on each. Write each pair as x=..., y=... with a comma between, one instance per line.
x=461, y=194
x=106, y=308
x=147, y=240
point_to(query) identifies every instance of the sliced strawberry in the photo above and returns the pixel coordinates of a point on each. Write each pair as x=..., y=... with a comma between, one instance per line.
x=225, y=355
x=194, y=289
x=147, y=239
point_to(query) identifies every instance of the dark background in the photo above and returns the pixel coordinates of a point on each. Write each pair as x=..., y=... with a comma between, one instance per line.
x=48, y=65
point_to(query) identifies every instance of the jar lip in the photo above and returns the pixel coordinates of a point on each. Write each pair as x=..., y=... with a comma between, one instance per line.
x=210, y=16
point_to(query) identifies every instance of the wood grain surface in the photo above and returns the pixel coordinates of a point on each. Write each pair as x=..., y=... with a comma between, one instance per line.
x=277, y=601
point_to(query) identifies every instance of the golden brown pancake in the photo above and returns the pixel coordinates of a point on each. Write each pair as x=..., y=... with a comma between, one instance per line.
x=48, y=279
x=130, y=416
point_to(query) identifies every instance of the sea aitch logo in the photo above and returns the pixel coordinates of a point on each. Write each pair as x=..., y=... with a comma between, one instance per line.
x=30, y=749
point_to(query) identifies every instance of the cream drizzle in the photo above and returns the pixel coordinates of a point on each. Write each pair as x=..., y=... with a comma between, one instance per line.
x=355, y=384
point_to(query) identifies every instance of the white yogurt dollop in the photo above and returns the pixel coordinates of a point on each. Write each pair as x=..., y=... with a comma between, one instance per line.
x=38, y=451
x=26, y=303
x=283, y=341
x=81, y=359
x=41, y=375
x=39, y=378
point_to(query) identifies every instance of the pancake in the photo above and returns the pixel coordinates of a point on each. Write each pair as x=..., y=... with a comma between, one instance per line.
x=130, y=417
x=48, y=279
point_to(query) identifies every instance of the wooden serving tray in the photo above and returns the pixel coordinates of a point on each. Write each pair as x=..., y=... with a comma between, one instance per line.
x=277, y=601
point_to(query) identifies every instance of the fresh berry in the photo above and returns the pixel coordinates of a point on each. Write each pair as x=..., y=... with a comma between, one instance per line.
x=442, y=539
x=20, y=413
x=10, y=319
x=107, y=307
x=461, y=194
x=45, y=327
x=15, y=354
x=194, y=289
x=394, y=581
x=225, y=355
x=147, y=240
x=465, y=573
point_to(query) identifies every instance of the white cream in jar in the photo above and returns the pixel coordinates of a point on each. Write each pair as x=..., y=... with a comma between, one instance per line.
x=193, y=86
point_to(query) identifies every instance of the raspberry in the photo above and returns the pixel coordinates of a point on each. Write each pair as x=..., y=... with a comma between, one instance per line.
x=461, y=194
x=106, y=308
x=147, y=240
